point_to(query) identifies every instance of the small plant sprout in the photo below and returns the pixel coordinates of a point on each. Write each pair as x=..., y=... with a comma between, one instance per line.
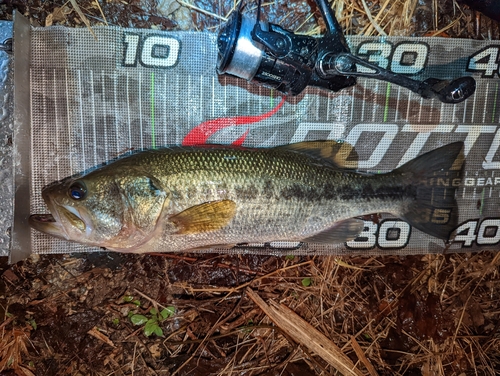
x=306, y=282
x=130, y=299
x=152, y=321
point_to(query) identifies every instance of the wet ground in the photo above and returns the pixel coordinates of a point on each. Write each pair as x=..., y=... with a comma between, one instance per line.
x=89, y=314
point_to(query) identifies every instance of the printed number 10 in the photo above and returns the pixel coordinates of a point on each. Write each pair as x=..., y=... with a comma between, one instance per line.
x=154, y=51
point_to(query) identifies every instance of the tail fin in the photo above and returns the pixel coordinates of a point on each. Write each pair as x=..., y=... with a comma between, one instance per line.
x=434, y=209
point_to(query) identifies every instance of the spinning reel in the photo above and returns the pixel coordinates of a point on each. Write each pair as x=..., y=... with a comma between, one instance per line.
x=268, y=55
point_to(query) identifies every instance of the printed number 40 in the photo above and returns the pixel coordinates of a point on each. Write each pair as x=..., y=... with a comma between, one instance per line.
x=488, y=233
x=485, y=61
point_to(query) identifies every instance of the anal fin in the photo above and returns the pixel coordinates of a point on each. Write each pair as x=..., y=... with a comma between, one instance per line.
x=340, y=232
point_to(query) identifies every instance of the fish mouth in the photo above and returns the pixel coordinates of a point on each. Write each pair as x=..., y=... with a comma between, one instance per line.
x=52, y=223
x=48, y=224
x=44, y=218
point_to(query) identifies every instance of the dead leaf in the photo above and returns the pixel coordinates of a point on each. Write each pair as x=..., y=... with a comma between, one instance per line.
x=96, y=333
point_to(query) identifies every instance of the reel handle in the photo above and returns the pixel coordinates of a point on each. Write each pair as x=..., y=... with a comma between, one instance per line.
x=447, y=91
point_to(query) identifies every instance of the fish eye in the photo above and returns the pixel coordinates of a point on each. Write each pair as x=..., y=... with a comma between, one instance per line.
x=77, y=191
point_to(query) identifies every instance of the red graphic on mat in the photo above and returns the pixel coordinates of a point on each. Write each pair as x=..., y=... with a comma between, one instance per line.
x=201, y=133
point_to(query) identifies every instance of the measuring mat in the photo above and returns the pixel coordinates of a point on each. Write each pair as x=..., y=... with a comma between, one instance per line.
x=94, y=99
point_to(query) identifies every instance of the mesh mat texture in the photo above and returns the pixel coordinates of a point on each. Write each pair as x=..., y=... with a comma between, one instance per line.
x=93, y=100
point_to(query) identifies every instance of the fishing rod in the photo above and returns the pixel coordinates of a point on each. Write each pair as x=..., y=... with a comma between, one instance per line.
x=269, y=55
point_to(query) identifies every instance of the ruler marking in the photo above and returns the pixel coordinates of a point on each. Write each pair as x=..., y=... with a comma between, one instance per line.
x=43, y=131
x=32, y=162
x=363, y=104
x=213, y=96
x=127, y=89
x=408, y=95
x=81, y=118
x=178, y=122
x=249, y=111
x=165, y=121
x=152, y=91
x=328, y=107
x=453, y=116
x=140, y=109
x=69, y=120
x=260, y=102
x=115, y=105
x=482, y=202
x=396, y=113
x=465, y=111
x=485, y=103
x=94, y=128
x=495, y=104
x=374, y=106
x=56, y=120
x=225, y=95
x=200, y=109
x=441, y=112
x=188, y=100
x=420, y=110
x=317, y=104
x=352, y=103
x=105, y=112
x=387, y=97
x=473, y=108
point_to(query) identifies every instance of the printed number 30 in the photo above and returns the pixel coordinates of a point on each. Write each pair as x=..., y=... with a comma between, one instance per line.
x=405, y=58
x=387, y=234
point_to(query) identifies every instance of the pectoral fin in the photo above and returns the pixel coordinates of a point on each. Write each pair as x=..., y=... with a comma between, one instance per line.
x=341, y=232
x=209, y=216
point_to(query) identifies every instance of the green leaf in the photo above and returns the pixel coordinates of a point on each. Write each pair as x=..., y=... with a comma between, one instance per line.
x=289, y=257
x=150, y=327
x=137, y=303
x=306, y=282
x=33, y=323
x=138, y=319
x=158, y=331
x=116, y=321
x=153, y=311
x=167, y=312
x=128, y=298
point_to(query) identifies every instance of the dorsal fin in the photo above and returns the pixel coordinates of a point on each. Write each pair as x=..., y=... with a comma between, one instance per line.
x=340, y=154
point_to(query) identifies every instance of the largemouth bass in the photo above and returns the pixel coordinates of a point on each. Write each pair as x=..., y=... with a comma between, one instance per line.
x=183, y=198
